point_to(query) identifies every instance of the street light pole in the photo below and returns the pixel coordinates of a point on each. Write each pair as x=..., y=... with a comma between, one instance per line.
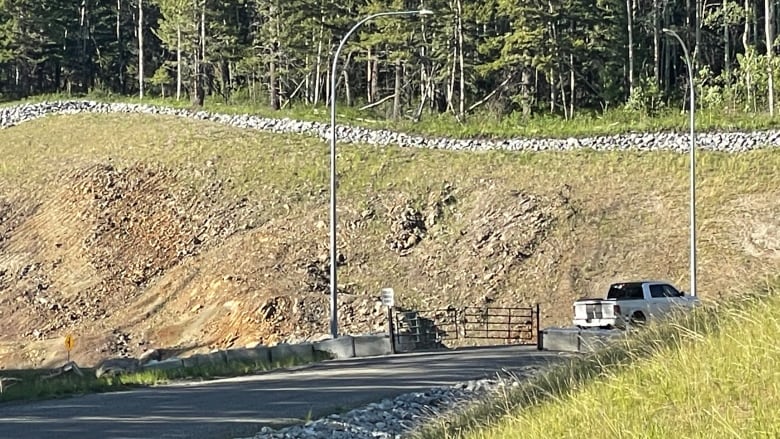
x=334, y=323
x=692, y=160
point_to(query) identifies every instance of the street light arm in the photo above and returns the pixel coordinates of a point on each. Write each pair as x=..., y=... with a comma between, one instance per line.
x=344, y=40
x=684, y=48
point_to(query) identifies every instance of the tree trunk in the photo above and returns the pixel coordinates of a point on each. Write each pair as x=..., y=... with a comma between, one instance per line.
x=746, y=30
x=697, y=13
x=688, y=24
x=656, y=43
x=571, y=86
x=327, y=83
x=140, y=49
x=374, y=79
x=630, y=21
x=225, y=74
x=121, y=48
x=273, y=87
x=462, y=102
x=770, y=36
x=318, y=71
x=754, y=19
x=397, y=88
x=563, y=96
x=451, y=82
x=369, y=79
x=667, y=55
x=553, y=91
x=525, y=89
x=347, y=89
x=726, y=42
x=197, y=95
x=746, y=46
x=203, y=47
x=178, y=61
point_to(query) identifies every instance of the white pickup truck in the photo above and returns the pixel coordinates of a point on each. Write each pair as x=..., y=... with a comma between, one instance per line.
x=631, y=303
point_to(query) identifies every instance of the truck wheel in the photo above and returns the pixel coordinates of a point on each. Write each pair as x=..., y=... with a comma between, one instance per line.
x=638, y=318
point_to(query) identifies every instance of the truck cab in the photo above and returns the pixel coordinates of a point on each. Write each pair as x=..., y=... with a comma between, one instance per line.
x=628, y=303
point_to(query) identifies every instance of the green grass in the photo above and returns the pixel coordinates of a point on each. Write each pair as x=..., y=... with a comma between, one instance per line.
x=482, y=124
x=35, y=385
x=712, y=373
x=635, y=203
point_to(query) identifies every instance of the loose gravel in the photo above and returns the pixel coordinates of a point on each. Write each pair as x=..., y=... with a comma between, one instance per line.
x=395, y=418
x=731, y=142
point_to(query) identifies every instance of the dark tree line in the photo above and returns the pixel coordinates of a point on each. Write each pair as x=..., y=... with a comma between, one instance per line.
x=559, y=56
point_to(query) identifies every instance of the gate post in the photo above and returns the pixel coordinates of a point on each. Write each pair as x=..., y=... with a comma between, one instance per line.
x=391, y=328
x=538, y=330
x=509, y=327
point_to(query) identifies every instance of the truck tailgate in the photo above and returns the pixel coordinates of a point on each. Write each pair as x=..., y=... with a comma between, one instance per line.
x=594, y=309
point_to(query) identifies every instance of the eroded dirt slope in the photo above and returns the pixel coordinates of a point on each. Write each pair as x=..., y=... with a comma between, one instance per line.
x=129, y=260
x=136, y=254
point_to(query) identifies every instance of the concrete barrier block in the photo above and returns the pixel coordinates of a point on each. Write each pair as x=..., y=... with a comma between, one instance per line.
x=593, y=340
x=173, y=363
x=372, y=345
x=217, y=358
x=282, y=353
x=342, y=347
x=561, y=339
x=258, y=354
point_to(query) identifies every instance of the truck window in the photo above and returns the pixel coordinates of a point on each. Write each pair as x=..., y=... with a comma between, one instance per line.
x=671, y=291
x=632, y=291
x=657, y=291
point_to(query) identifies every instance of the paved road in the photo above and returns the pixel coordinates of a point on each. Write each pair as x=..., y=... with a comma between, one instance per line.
x=241, y=406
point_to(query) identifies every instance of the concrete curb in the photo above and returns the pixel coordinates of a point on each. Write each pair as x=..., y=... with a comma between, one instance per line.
x=282, y=353
x=372, y=345
x=576, y=339
x=340, y=348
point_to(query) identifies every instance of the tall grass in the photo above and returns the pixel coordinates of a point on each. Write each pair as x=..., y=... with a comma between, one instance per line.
x=711, y=373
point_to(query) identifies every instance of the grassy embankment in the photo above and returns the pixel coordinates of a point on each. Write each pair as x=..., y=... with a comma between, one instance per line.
x=480, y=123
x=36, y=384
x=289, y=173
x=710, y=374
x=635, y=202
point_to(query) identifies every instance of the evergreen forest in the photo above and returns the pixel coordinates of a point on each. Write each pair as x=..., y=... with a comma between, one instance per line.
x=522, y=57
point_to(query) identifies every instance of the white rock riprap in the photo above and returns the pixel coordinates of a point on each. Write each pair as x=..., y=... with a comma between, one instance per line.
x=394, y=418
x=731, y=142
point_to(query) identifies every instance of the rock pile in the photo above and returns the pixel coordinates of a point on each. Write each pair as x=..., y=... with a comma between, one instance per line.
x=406, y=231
x=657, y=141
x=394, y=418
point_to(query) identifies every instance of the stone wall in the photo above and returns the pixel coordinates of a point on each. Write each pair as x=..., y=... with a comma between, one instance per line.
x=668, y=141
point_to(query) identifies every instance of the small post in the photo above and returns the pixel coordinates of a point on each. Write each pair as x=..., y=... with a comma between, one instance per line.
x=509, y=327
x=538, y=330
x=391, y=328
x=69, y=342
x=387, y=296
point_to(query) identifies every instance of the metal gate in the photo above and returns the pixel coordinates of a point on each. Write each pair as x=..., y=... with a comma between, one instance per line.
x=430, y=329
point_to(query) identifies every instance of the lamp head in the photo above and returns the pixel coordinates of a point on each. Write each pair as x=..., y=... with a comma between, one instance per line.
x=424, y=12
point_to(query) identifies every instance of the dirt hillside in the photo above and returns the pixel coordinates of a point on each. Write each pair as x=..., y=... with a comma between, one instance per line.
x=186, y=248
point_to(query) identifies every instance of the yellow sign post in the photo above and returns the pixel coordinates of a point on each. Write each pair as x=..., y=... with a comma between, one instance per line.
x=70, y=341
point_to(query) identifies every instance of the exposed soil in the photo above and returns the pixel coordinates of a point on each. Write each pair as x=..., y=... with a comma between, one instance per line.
x=142, y=256
x=129, y=260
